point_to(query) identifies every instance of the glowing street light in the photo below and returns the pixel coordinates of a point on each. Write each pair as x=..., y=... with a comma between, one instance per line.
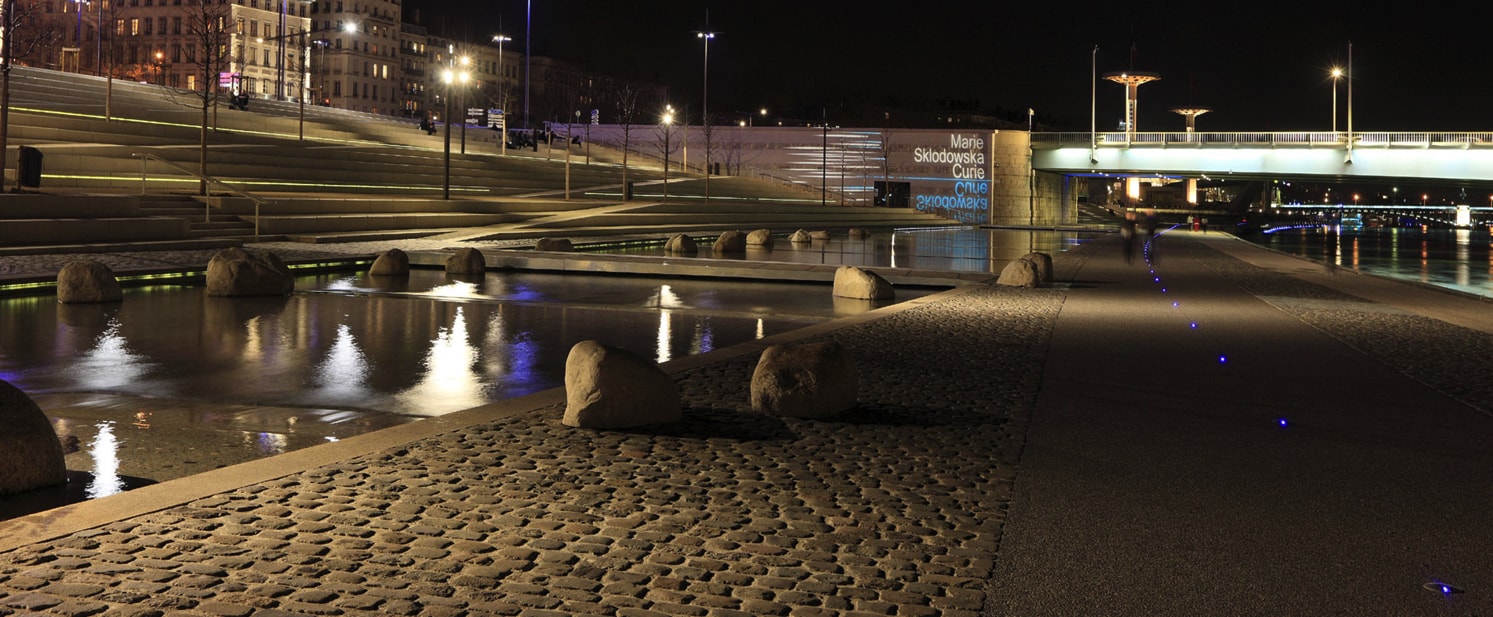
x=451, y=77
x=705, y=107
x=503, y=138
x=1337, y=73
x=466, y=61
x=668, y=130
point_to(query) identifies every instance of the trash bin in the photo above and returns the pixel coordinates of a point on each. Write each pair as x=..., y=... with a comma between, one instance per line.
x=627, y=191
x=28, y=168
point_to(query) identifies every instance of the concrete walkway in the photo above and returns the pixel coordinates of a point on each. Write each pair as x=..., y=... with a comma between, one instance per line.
x=1083, y=450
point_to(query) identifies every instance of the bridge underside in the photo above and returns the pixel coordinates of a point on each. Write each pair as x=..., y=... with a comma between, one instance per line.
x=1463, y=167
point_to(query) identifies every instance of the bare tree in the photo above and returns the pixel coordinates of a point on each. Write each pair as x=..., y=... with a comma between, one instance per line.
x=208, y=32
x=20, y=35
x=627, y=114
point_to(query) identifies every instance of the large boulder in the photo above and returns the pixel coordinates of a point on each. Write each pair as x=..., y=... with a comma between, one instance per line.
x=856, y=233
x=610, y=388
x=466, y=260
x=1020, y=273
x=30, y=453
x=558, y=245
x=87, y=281
x=760, y=237
x=799, y=237
x=812, y=380
x=818, y=235
x=239, y=272
x=730, y=242
x=392, y=262
x=681, y=244
x=853, y=282
x=1043, y=261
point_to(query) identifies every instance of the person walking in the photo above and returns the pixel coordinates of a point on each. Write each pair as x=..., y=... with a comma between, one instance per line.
x=1127, y=236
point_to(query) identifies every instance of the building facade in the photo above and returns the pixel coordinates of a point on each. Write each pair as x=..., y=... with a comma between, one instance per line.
x=362, y=67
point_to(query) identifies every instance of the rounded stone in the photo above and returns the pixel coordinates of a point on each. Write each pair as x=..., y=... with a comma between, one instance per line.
x=861, y=284
x=1020, y=273
x=1043, y=261
x=466, y=260
x=681, y=244
x=760, y=237
x=810, y=380
x=557, y=245
x=31, y=456
x=392, y=262
x=799, y=237
x=610, y=388
x=240, y=272
x=87, y=281
x=730, y=242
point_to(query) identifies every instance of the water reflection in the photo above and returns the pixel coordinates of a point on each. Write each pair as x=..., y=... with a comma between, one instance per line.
x=450, y=381
x=345, y=344
x=1442, y=257
x=105, y=453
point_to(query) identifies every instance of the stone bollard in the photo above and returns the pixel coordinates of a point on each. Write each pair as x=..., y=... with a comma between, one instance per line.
x=1020, y=273
x=730, y=242
x=681, y=244
x=760, y=237
x=611, y=388
x=819, y=235
x=392, y=262
x=856, y=233
x=31, y=456
x=799, y=237
x=87, y=281
x=557, y=245
x=853, y=282
x=240, y=272
x=466, y=261
x=811, y=380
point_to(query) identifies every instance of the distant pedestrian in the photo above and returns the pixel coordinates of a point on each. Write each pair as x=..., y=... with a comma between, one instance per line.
x=1127, y=236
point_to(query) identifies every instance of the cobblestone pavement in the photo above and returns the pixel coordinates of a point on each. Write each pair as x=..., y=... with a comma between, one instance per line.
x=894, y=510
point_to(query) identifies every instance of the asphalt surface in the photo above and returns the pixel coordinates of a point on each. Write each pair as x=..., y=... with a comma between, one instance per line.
x=1247, y=435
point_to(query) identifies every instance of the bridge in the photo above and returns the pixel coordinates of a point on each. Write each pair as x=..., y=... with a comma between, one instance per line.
x=1458, y=158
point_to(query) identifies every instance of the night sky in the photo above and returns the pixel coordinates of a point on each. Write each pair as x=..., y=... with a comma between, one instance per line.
x=1261, y=66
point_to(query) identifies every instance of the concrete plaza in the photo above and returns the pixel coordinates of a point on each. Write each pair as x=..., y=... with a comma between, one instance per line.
x=1234, y=433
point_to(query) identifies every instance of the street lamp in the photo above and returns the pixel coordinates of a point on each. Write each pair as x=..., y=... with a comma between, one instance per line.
x=705, y=107
x=668, y=129
x=1337, y=73
x=160, y=60
x=466, y=61
x=502, y=98
x=451, y=78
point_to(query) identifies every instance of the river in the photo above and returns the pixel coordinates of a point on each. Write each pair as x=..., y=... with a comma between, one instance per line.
x=1458, y=259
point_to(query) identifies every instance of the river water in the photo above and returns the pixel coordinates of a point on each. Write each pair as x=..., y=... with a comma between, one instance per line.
x=1458, y=259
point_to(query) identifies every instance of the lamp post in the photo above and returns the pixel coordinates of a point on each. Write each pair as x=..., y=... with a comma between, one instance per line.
x=502, y=99
x=451, y=78
x=705, y=107
x=466, y=61
x=1337, y=73
x=160, y=60
x=668, y=129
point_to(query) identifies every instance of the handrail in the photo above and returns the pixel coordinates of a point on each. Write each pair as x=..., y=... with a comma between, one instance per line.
x=207, y=216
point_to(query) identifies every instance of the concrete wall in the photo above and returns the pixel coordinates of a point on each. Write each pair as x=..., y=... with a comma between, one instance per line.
x=974, y=177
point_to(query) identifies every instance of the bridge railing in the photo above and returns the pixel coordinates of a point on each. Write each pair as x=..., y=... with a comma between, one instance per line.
x=1319, y=139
